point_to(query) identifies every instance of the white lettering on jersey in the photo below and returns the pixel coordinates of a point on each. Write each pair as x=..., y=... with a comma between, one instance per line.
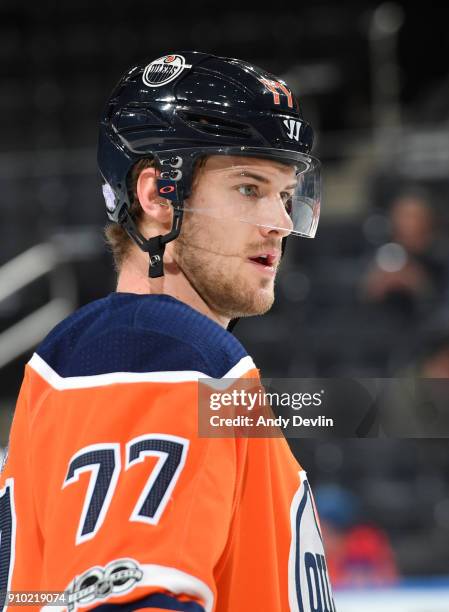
x=309, y=589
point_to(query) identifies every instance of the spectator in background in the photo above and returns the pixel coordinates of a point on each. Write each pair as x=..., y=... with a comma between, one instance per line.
x=412, y=400
x=409, y=273
x=436, y=362
x=427, y=354
x=358, y=554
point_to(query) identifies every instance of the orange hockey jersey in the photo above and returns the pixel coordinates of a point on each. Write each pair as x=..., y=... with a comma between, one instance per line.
x=110, y=496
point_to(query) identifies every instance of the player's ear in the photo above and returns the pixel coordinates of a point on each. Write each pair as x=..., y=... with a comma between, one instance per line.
x=152, y=204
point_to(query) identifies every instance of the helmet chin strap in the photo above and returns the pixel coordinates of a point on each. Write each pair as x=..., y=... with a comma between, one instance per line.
x=232, y=324
x=155, y=247
x=168, y=188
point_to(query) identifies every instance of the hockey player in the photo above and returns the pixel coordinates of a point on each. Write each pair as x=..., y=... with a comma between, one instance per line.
x=109, y=494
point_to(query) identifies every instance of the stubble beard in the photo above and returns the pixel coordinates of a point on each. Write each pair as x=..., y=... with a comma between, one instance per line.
x=220, y=279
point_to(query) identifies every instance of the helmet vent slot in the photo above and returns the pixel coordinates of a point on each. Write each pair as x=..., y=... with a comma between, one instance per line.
x=216, y=125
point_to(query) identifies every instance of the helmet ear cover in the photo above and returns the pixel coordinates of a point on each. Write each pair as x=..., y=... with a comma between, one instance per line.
x=176, y=172
x=173, y=184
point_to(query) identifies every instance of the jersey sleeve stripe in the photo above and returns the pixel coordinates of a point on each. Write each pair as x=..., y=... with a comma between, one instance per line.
x=153, y=603
x=83, y=382
x=177, y=582
x=100, y=380
x=242, y=367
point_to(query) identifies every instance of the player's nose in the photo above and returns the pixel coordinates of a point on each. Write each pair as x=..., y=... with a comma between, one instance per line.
x=276, y=220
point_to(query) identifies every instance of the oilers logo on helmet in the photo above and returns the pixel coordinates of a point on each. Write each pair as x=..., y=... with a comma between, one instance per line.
x=164, y=70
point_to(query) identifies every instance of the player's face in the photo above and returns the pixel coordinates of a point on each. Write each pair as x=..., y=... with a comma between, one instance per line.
x=233, y=263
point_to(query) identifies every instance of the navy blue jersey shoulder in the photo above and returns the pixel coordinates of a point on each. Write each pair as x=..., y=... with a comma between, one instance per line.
x=126, y=332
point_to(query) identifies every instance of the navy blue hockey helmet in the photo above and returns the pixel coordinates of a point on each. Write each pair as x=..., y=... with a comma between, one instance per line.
x=185, y=106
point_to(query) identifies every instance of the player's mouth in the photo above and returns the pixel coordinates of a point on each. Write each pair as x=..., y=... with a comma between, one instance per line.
x=265, y=262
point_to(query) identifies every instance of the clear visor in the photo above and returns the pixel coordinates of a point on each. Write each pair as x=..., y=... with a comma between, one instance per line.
x=269, y=188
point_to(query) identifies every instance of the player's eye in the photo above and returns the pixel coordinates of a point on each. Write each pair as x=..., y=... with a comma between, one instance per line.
x=249, y=191
x=286, y=197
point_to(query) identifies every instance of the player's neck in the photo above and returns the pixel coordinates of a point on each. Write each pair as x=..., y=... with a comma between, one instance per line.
x=133, y=278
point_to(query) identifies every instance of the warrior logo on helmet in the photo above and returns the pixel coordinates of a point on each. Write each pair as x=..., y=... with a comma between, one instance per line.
x=164, y=70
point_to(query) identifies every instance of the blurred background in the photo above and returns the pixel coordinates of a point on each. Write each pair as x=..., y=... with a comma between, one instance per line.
x=368, y=297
